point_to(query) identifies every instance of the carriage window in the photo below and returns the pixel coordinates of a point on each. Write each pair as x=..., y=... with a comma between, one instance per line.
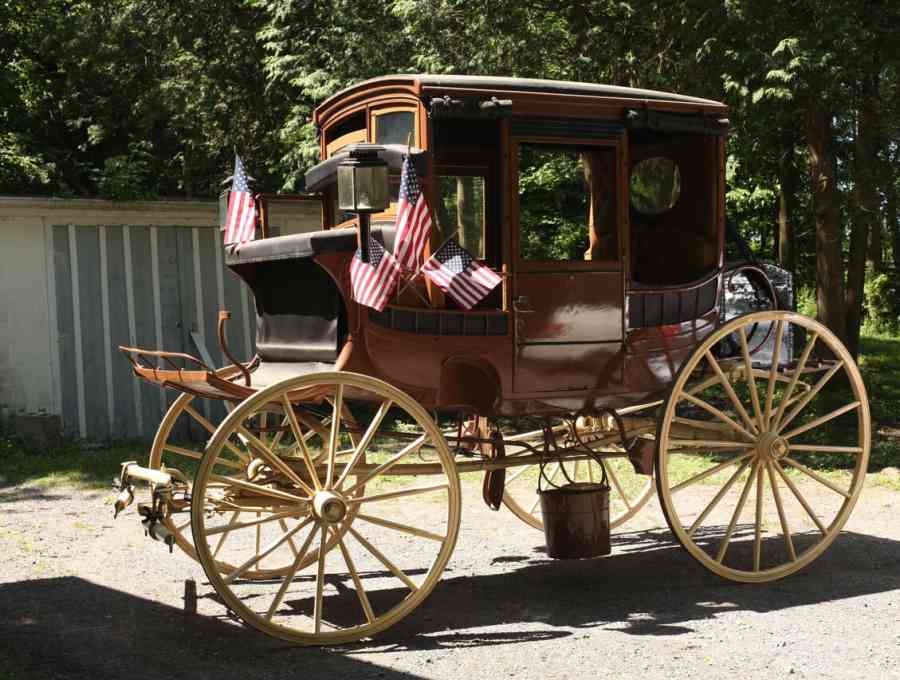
x=460, y=211
x=394, y=127
x=567, y=203
x=655, y=185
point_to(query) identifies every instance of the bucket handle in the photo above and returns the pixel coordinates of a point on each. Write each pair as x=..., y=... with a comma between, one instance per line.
x=550, y=443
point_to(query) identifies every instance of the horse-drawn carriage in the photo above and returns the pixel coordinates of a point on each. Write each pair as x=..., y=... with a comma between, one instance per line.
x=326, y=503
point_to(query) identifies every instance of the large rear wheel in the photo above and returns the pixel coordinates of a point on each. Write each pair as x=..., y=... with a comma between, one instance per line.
x=762, y=457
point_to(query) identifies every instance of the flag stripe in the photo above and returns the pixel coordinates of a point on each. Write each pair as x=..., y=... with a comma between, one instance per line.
x=413, y=218
x=458, y=274
x=373, y=282
x=240, y=223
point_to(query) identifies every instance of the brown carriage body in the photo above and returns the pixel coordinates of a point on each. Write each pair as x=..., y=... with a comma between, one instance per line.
x=590, y=335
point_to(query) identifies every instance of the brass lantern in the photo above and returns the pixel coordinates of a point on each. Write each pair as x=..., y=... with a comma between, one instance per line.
x=363, y=180
x=363, y=187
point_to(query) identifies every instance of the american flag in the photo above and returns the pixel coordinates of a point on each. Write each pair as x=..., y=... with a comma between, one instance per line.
x=373, y=282
x=240, y=224
x=413, y=218
x=459, y=274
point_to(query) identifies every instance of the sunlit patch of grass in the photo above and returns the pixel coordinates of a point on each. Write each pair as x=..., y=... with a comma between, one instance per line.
x=71, y=465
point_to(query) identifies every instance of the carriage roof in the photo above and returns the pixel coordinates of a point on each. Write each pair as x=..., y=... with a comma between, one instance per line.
x=425, y=84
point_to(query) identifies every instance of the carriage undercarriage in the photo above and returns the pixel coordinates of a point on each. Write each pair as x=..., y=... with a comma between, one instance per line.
x=292, y=484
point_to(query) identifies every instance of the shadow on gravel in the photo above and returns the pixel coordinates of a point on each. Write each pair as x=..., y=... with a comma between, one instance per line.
x=72, y=628
x=650, y=586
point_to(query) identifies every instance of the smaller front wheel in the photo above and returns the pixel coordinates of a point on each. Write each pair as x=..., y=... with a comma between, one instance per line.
x=762, y=455
x=365, y=539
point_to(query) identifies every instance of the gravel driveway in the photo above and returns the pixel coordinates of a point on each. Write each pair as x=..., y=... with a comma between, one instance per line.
x=84, y=596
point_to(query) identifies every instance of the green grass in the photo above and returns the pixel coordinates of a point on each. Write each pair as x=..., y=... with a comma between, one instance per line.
x=69, y=465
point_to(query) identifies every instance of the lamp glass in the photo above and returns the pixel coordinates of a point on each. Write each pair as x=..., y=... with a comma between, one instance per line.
x=346, y=188
x=371, y=183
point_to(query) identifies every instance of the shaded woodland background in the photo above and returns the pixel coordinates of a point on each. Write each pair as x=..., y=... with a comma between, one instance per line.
x=135, y=99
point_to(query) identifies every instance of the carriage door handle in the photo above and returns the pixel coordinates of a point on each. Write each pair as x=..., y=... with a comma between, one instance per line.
x=520, y=305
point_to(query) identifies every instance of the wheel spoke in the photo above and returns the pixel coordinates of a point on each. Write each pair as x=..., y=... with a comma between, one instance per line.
x=519, y=473
x=225, y=532
x=726, y=540
x=260, y=555
x=825, y=449
x=276, y=439
x=278, y=516
x=718, y=497
x=320, y=579
x=820, y=421
x=263, y=490
x=335, y=434
x=618, y=485
x=291, y=544
x=726, y=383
x=258, y=538
x=821, y=480
x=785, y=529
x=773, y=373
x=709, y=408
x=706, y=444
x=364, y=443
x=401, y=493
x=357, y=582
x=751, y=381
x=275, y=460
x=789, y=392
x=800, y=498
x=708, y=473
x=393, y=568
x=301, y=441
x=197, y=455
x=405, y=528
x=292, y=572
x=809, y=395
x=210, y=428
x=388, y=464
x=757, y=538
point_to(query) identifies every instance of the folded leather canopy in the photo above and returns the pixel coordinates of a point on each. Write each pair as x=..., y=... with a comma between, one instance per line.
x=303, y=245
x=325, y=173
x=300, y=316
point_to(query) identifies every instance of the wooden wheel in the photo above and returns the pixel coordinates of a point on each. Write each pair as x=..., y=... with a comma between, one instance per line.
x=629, y=491
x=186, y=414
x=168, y=449
x=742, y=447
x=379, y=539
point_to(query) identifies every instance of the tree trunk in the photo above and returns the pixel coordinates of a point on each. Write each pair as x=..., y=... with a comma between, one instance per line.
x=787, y=201
x=463, y=206
x=890, y=219
x=829, y=260
x=865, y=215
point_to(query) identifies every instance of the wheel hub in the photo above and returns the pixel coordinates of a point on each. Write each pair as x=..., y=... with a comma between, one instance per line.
x=329, y=507
x=771, y=446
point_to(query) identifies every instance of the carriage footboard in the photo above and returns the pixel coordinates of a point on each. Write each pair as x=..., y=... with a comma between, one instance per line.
x=187, y=373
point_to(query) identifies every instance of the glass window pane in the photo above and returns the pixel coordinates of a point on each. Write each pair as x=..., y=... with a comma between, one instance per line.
x=655, y=185
x=567, y=203
x=460, y=211
x=394, y=127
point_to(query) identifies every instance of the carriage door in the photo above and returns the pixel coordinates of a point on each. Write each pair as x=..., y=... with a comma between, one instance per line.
x=567, y=299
